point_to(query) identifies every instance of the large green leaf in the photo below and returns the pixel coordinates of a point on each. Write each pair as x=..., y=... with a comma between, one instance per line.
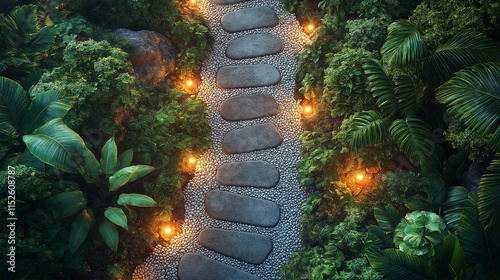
x=367, y=128
x=377, y=239
x=464, y=50
x=47, y=106
x=135, y=199
x=20, y=25
x=13, y=108
x=489, y=195
x=117, y=216
x=450, y=259
x=413, y=138
x=474, y=94
x=481, y=246
x=457, y=163
x=109, y=157
x=408, y=94
x=57, y=145
x=127, y=175
x=79, y=230
x=42, y=41
x=24, y=158
x=404, y=44
x=70, y=202
x=387, y=217
x=125, y=159
x=109, y=234
x=454, y=205
x=382, y=87
x=393, y=264
x=4, y=148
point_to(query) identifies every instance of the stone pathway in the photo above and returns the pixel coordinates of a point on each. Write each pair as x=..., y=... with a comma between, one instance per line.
x=243, y=204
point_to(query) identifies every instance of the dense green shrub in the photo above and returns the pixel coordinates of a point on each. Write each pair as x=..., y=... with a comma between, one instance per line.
x=400, y=183
x=42, y=250
x=464, y=139
x=98, y=75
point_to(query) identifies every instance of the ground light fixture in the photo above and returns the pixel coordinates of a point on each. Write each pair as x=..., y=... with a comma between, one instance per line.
x=189, y=83
x=310, y=27
x=193, y=2
x=192, y=160
x=359, y=177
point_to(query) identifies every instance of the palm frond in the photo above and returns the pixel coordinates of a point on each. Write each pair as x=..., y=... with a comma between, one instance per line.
x=464, y=50
x=367, y=128
x=474, y=94
x=404, y=44
x=454, y=205
x=489, y=195
x=406, y=95
x=381, y=86
x=20, y=25
x=393, y=264
x=413, y=138
x=47, y=106
x=481, y=246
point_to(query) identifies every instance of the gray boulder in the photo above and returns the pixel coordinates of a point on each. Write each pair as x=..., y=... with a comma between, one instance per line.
x=153, y=55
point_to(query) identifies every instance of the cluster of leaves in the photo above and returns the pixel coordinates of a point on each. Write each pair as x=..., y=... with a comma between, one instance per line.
x=400, y=183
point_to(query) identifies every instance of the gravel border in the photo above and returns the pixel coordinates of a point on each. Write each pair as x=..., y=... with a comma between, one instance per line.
x=163, y=262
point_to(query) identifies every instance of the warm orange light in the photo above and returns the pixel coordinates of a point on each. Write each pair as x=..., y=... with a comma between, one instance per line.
x=189, y=83
x=360, y=177
x=307, y=109
x=192, y=160
x=310, y=27
x=193, y=1
x=168, y=230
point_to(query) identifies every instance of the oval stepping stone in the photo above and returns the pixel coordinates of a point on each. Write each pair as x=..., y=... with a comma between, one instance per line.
x=249, y=18
x=242, y=76
x=225, y=2
x=248, y=247
x=247, y=107
x=241, y=209
x=252, y=138
x=197, y=267
x=259, y=174
x=254, y=45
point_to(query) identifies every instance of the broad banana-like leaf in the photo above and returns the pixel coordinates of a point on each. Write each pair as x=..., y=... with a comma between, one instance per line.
x=413, y=138
x=4, y=149
x=125, y=159
x=489, y=195
x=14, y=108
x=481, y=245
x=382, y=87
x=109, y=157
x=127, y=175
x=377, y=239
x=20, y=24
x=135, y=199
x=42, y=41
x=24, y=158
x=31, y=79
x=404, y=44
x=464, y=50
x=79, y=230
x=57, y=145
x=454, y=205
x=116, y=216
x=450, y=255
x=474, y=94
x=387, y=216
x=71, y=202
x=109, y=234
x=393, y=264
x=47, y=106
x=367, y=128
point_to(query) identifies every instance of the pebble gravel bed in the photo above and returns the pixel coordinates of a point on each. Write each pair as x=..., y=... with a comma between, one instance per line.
x=288, y=195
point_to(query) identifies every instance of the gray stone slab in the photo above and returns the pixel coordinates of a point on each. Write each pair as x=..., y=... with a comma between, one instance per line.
x=254, y=45
x=247, y=107
x=242, y=76
x=258, y=174
x=244, y=246
x=241, y=209
x=226, y=2
x=249, y=18
x=197, y=267
x=252, y=138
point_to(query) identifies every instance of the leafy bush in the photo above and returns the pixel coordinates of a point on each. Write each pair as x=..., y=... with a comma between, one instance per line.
x=464, y=139
x=401, y=183
x=419, y=232
x=98, y=76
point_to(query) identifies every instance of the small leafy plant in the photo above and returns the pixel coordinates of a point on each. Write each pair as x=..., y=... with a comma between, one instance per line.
x=419, y=232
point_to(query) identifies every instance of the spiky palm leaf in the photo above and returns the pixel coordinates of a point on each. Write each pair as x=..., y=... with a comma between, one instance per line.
x=413, y=138
x=409, y=93
x=489, y=195
x=481, y=246
x=474, y=94
x=381, y=86
x=464, y=50
x=454, y=205
x=367, y=128
x=393, y=264
x=404, y=44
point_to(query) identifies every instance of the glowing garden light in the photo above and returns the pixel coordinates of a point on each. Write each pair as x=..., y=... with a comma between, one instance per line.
x=360, y=177
x=168, y=230
x=192, y=160
x=193, y=2
x=189, y=83
x=310, y=27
